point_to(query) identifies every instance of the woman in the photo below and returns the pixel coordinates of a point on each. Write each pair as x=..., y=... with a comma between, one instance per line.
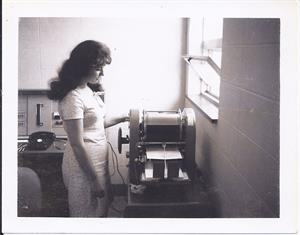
x=85, y=162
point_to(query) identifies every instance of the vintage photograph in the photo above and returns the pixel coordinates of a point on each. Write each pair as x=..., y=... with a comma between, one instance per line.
x=145, y=117
x=148, y=118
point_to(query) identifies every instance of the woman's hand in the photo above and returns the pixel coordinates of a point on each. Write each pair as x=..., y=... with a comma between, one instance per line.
x=97, y=189
x=125, y=118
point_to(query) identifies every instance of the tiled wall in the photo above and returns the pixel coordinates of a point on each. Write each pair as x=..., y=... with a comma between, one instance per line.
x=239, y=155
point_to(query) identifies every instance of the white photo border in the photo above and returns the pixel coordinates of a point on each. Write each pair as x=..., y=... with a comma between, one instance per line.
x=289, y=112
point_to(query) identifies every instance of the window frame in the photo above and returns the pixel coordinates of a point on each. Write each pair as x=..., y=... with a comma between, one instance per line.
x=206, y=101
x=204, y=81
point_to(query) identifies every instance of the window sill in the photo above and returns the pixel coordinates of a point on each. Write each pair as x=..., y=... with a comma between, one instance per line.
x=208, y=108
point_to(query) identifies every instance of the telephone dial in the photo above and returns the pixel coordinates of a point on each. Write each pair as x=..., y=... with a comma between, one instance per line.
x=40, y=140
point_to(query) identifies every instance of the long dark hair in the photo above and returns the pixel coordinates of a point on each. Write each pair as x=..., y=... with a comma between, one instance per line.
x=83, y=57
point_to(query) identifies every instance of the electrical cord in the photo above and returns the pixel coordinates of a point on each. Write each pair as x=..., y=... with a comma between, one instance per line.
x=117, y=163
x=114, y=167
x=117, y=166
x=137, y=189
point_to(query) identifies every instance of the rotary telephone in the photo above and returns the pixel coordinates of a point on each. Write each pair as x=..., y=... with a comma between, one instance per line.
x=40, y=140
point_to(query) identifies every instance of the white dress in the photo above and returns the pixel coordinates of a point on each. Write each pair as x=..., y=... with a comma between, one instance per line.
x=83, y=103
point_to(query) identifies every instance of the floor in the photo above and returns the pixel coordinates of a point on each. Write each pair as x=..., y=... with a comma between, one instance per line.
x=117, y=208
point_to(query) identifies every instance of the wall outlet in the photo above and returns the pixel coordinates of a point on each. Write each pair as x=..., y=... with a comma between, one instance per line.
x=56, y=120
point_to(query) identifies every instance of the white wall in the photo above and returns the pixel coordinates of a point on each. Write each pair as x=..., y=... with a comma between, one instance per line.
x=146, y=70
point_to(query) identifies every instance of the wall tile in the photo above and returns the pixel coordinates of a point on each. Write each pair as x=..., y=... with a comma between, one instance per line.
x=245, y=31
x=203, y=125
x=231, y=183
x=229, y=102
x=254, y=68
x=258, y=168
x=255, y=116
x=259, y=120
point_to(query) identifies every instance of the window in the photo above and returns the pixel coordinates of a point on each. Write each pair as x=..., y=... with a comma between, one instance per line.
x=204, y=63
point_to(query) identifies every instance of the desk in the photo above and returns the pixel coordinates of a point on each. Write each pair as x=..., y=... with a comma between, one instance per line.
x=55, y=149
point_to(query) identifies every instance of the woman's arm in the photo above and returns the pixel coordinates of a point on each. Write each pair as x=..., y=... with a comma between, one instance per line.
x=74, y=129
x=111, y=121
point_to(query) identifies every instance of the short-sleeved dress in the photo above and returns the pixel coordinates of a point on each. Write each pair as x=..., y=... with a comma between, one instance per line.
x=83, y=103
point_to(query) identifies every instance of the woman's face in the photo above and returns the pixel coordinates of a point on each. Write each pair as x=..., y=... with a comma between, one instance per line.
x=95, y=75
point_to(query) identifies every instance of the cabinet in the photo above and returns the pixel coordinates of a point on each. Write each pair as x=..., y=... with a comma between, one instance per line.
x=39, y=112
x=22, y=115
x=36, y=113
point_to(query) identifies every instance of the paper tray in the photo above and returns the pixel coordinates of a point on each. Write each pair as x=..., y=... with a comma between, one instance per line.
x=158, y=153
x=184, y=177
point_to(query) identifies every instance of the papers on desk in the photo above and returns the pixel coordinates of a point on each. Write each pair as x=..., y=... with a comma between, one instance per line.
x=158, y=153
